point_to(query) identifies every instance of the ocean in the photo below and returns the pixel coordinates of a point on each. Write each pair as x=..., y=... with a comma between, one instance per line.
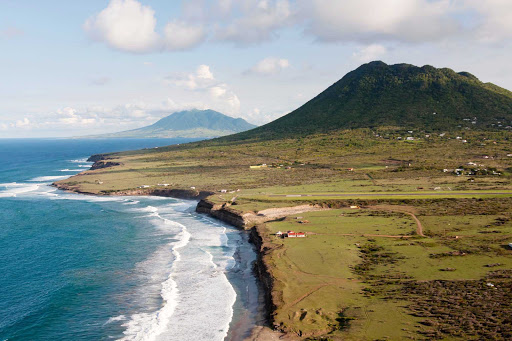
x=77, y=267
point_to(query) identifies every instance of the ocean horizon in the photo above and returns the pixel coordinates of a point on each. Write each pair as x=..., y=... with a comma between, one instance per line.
x=80, y=267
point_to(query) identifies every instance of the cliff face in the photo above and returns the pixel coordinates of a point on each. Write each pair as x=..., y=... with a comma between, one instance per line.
x=263, y=272
x=225, y=213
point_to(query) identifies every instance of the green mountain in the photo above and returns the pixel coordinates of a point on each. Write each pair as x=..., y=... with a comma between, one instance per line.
x=401, y=95
x=188, y=124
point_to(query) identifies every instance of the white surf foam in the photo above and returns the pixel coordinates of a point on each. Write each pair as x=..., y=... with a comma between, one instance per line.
x=184, y=292
x=84, y=166
x=80, y=161
x=147, y=326
x=13, y=189
x=131, y=202
x=71, y=170
x=116, y=319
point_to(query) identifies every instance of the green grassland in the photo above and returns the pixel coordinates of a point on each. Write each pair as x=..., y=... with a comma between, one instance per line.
x=361, y=274
x=342, y=282
x=353, y=161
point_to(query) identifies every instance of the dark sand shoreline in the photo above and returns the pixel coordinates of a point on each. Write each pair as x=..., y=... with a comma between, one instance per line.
x=249, y=308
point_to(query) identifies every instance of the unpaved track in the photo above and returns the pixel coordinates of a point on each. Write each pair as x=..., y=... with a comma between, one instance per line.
x=402, y=209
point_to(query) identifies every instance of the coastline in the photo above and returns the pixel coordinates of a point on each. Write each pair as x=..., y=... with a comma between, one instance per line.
x=253, y=223
x=260, y=330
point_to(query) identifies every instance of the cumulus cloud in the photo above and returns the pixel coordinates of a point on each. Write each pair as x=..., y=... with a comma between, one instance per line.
x=269, y=66
x=69, y=116
x=125, y=25
x=200, y=79
x=24, y=123
x=375, y=20
x=259, y=20
x=178, y=35
x=211, y=92
x=128, y=25
x=369, y=53
x=225, y=98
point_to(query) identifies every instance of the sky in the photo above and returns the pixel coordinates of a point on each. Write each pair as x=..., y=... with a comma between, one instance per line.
x=73, y=68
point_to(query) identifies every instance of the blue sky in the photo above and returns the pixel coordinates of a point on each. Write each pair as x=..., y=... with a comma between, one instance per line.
x=74, y=68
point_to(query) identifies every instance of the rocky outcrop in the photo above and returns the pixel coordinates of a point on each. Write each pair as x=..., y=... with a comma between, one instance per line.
x=97, y=157
x=104, y=164
x=180, y=193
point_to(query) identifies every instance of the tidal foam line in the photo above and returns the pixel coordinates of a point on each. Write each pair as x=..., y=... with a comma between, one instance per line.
x=147, y=326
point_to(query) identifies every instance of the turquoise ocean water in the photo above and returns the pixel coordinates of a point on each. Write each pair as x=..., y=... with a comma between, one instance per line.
x=75, y=267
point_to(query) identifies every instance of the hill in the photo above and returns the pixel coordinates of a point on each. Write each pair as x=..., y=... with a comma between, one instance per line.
x=404, y=236
x=188, y=124
x=401, y=95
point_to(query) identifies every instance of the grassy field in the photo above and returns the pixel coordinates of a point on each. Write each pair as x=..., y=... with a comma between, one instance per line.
x=343, y=280
x=346, y=161
x=361, y=274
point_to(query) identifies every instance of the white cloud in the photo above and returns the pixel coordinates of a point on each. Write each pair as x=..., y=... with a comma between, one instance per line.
x=377, y=20
x=69, y=116
x=224, y=98
x=3, y=126
x=128, y=25
x=125, y=25
x=259, y=20
x=179, y=35
x=210, y=92
x=369, y=53
x=270, y=65
x=200, y=79
x=24, y=123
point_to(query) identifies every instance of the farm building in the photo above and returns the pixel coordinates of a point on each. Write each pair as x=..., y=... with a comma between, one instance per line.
x=292, y=234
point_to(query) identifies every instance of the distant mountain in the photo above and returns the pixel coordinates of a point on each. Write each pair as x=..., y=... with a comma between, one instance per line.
x=188, y=124
x=402, y=95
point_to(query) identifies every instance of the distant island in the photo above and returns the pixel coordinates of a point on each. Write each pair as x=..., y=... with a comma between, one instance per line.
x=187, y=124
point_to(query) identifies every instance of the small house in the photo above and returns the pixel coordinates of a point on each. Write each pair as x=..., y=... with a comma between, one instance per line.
x=510, y=245
x=301, y=235
x=279, y=234
x=355, y=207
x=223, y=190
x=291, y=234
